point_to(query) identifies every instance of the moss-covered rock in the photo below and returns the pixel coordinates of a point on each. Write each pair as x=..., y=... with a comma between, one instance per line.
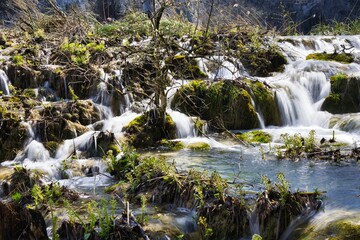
x=12, y=132
x=265, y=103
x=255, y=136
x=198, y=146
x=185, y=68
x=149, y=129
x=336, y=229
x=262, y=62
x=172, y=145
x=337, y=57
x=222, y=104
x=344, y=96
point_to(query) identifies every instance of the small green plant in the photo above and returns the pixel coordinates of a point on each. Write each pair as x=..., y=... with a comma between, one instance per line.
x=73, y=95
x=143, y=218
x=18, y=60
x=283, y=187
x=16, y=197
x=256, y=237
x=266, y=182
x=37, y=195
x=208, y=232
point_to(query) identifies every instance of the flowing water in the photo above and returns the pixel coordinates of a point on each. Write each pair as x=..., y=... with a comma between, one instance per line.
x=300, y=91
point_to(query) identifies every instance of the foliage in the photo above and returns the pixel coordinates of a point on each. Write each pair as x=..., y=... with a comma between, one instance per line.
x=349, y=27
x=16, y=197
x=100, y=218
x=80, y=53
x=338, y=57
x=74, y=97
x=203, y=224
x=296, y=145
x=142, y=218
x=120, y=166
x=338, y=82
x=256, y=237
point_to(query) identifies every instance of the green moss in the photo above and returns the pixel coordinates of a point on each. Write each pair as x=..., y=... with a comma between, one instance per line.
x=114, y=148
x=185, y=68
x=344, y=97
x=18, y=60
x=224, y=103
x=338, y=82
x=29, y=92
x=255, y=136
x=338, y=230
x=198, y=146
x=266, y=103
x=338, y=57
x=148, y=130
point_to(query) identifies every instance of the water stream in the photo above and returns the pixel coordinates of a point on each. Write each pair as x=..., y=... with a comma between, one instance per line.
x=300, y=91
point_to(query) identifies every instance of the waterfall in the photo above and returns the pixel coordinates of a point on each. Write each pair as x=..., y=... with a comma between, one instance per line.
x=4, y=83
x=126, y=103
x=185, y=126
x=304, y=85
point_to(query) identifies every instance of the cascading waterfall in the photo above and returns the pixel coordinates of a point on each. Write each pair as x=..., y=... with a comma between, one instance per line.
x=303, y=87
x=126, y=103
x=4, y=83
x=185, y=126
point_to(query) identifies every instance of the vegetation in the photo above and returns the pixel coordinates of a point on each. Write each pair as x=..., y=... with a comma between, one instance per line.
x=338, y=57
x=349, y=27
x=224, y=104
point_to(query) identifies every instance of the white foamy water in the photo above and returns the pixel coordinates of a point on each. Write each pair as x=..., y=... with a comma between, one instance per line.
x=4, y=83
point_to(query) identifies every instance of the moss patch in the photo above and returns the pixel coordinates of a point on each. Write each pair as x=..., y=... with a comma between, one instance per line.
x=337, y=57
x=199, y=146
x=266, y=103
x=223, y=104
x=148, y=130
x=255, y=136
x=344, y=96
x=185, y=68
x=172, y=145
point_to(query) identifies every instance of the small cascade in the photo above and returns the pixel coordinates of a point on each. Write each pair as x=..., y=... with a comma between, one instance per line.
x=230, y=69
x=81, y=143
x=185, y=126
x=254, y=221
x=126, y=103
x=4, y=83
x=103, y=97
x=65, y=88
x=115, y=125
x=303, y=87
x=348, y=122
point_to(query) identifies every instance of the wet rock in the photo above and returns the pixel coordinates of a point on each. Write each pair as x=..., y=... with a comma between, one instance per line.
x=19, y=222
x=276, y=211
x=344, y=96
x=224, y=104
x=148, y=130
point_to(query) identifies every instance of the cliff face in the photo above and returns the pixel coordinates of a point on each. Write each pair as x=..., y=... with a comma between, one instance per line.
x=273, y=13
